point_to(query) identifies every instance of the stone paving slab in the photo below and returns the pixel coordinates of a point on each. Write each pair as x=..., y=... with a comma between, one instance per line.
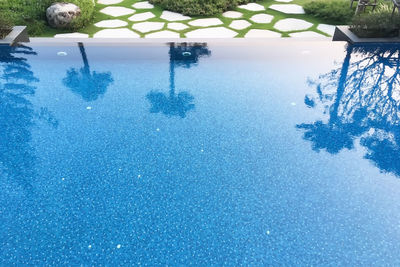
x=288, y=9
x=287, y=25
x=326, y=28
x=252, y=7
x=109, y=2
x=142, y=16
x=262, y=18
x=177, y=26
x=143, y=5
x=116, y=33
x=216, y=32
x=255, y=33
x=163, y=34
x=173, y=16
x=144, y=27
x=239, y=24
x=232, y=14
x=111, y=23
x=117, y=11
x=206, y=22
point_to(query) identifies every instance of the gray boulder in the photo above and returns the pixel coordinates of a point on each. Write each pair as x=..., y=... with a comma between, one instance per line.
x=60, y=15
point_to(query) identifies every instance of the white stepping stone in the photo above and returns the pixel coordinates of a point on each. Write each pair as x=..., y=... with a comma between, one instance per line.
x=262, y=18
x=163, y=34
x=143, y=5
x=254, y=33
x=284, y=1
x=252, y=7
x=240, y=24
x=117, y=11
x=109, y=2
x=116, y=33
x=286, y=25
x=141, y=16
x=148, y=26
x=172, y=16
x=307, y=34
x=326, y=28
x=177, y=26
x=288, y=9
x=216, y=32
x=232, y=14
x=111, y=23
x=206, y=22
x=71, y=35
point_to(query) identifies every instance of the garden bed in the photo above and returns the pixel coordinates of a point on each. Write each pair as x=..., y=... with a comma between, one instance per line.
x=343, y=33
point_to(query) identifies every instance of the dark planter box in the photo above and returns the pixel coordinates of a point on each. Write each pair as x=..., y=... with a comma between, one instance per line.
x=342, y=33
x=17, y=34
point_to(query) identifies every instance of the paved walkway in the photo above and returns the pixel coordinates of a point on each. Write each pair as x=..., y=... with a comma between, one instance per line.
x=253, y=20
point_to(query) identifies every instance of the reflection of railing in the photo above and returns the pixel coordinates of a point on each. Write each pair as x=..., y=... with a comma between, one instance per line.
x=361, y=100
x=178, y=104
x=88, y=84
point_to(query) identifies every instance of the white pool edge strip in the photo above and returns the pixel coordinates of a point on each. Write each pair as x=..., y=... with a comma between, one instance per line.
x=117, y=41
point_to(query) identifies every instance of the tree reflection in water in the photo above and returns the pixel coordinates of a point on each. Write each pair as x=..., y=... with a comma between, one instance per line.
x=178, y=104
x=16, y=114
x=361, y=100
x=86, y=83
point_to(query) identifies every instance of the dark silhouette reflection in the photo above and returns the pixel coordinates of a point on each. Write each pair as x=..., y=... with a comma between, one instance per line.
x=16, y=114
x=178, y=104
x=361, y=100
x=89, y=85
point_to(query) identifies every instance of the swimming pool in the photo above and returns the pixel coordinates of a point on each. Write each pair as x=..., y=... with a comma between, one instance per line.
x=247, y=153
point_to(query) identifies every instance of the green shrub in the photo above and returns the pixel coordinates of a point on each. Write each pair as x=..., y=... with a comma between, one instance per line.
x=22, y=13
x=199, y=7
x=87, y=9
x=32, y=13
x=379, y=23
x=336, y=12
x=5, y=27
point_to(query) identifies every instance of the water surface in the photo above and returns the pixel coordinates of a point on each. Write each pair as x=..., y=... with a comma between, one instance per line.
x=261, y=154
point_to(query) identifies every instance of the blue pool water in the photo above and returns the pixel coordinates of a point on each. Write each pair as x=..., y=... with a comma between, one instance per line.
x=256, y=154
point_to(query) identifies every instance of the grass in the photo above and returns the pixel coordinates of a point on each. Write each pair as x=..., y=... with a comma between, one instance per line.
x=91, y=29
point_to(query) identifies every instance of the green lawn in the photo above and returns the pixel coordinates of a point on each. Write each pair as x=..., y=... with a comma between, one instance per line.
x=91, y=29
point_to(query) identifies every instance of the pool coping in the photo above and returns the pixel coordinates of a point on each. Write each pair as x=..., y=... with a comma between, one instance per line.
x=158, y=41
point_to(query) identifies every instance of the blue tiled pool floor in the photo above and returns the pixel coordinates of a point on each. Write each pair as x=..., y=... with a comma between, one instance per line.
x=199, y=154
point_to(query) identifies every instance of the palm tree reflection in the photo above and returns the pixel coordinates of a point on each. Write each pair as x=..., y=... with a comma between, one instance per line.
x=177, y=104
x=89, y=85
x=361, y=100
x=16, y=115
